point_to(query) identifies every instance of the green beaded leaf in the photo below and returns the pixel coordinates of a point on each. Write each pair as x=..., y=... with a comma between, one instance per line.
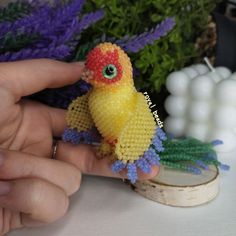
x=189, y=154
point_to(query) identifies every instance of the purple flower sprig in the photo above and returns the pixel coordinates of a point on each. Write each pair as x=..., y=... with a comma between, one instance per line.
x=90, y=18
x=59, y=52
x=137, y=43
x=73, y=34
x=27, y=23
x=46, y=19
x=58, y=27
x=61, y=18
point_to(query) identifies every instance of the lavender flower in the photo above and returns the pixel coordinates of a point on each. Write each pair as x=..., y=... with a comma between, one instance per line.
x=28, y=23
x=216, y=142
x=58, y=28
x=62, y=18
x=161, y=134
x=132, y=172
x=77, y=27
x=224, y=167
x=118, y=166
x=46, y=20
x=143, y=165
x=151, y=156
x=67, y=35
x=136, y=43
x=59, y=52
x=89, y=19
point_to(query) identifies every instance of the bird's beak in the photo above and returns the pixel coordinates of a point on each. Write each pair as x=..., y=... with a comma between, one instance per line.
x=87, y=75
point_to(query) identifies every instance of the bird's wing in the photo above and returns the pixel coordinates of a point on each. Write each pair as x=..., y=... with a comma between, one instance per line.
x=137, y=135
x=78, y=115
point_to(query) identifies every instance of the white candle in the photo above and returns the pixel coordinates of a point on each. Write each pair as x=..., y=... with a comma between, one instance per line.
x=197, y=130
x=199, y=111
x=226, y=92
x=175, y=126
x=190, y=72
x=224, y=72
x=227, y=136
x=201, y=87
x=224, y=117
x=202, y=104
x=176, y=106
x=177, y=83
x=200, y=68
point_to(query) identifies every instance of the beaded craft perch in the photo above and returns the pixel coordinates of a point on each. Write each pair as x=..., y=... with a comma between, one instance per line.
x=120, y=115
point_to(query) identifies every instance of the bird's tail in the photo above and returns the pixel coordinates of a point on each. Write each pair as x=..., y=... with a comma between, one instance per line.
x=145, y=162
x=187, y=154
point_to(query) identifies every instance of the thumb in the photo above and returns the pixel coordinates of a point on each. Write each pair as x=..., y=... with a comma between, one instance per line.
x=24, y=78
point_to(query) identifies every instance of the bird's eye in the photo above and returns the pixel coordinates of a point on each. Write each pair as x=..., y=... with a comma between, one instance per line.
x=109, y=71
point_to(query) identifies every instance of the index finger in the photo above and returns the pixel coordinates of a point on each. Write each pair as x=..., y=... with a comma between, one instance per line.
x=24, y=78
x=84, y=158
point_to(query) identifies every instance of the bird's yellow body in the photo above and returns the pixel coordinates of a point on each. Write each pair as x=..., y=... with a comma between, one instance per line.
x=111, y=110
x=123, y=118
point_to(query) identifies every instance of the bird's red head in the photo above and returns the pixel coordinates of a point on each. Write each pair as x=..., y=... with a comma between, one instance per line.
x=106, y=64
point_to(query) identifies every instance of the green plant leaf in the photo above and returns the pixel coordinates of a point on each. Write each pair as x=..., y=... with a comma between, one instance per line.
x=131, y=17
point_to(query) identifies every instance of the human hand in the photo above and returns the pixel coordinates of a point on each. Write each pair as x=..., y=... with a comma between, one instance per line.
x=34, y=189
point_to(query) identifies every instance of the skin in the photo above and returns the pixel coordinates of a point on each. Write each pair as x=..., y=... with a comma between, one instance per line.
x=34, y=189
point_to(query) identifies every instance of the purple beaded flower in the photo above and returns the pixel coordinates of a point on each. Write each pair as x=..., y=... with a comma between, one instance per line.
x=144, y=163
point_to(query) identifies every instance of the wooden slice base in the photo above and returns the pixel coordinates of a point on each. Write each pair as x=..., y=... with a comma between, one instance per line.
x=176, y=188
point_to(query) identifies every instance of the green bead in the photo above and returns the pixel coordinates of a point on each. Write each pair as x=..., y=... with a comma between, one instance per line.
x=109, y=71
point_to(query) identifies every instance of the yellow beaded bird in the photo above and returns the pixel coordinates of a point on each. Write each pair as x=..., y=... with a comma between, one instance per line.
x=121, y=115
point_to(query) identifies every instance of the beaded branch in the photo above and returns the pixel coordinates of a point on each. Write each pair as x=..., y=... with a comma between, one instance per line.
x=128, y=132
x=190, y=154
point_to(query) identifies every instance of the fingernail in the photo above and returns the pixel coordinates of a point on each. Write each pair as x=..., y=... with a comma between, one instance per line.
x=4, y=188
x=1, y=159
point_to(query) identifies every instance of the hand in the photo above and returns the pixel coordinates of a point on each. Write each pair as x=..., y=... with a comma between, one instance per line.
x=34, y=189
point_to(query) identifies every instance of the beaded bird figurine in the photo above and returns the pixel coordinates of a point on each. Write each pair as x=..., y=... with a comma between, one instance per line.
x=121, y=115
x=128, y=133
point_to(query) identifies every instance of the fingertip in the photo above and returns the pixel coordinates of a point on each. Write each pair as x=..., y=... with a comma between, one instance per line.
x=71, y=71
x=154, y=172
x=141, y=175
x=78, y=63
x=78, y=66
x=23, y=78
